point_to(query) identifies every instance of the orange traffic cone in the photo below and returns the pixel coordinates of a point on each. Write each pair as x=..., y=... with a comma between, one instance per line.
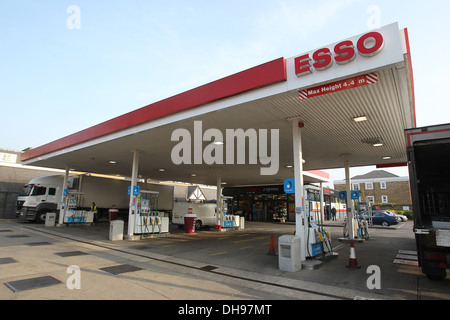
x=352, y=262
x=272, y=247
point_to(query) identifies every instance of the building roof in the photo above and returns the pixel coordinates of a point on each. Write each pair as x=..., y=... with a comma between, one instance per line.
x=376, y=174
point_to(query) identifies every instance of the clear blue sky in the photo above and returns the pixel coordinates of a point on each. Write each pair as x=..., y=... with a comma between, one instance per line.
x=127, y=54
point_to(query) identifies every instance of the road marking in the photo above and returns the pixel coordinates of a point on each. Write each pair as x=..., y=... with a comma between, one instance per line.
x=245, y=248
x=338, y=247
x=218, y=253
x=251, y=239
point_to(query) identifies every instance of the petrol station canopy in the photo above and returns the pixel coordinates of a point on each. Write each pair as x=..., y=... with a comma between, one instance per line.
x=353, y=98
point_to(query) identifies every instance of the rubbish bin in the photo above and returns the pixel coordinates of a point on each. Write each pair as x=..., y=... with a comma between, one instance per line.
x=113, y=213
x=50, y=219
x=189, y=222
x=116, y=230
x=289, y=259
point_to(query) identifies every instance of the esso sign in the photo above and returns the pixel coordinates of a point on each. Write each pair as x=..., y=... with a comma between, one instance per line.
x=368, y=45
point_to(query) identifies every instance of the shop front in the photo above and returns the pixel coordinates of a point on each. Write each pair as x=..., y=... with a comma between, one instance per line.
x=271, y=203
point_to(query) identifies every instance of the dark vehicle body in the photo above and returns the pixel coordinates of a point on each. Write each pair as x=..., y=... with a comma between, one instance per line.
x=380, y=217
x=429, y=170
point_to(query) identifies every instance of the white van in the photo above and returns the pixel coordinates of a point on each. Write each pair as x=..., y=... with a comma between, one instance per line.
x=205, y=212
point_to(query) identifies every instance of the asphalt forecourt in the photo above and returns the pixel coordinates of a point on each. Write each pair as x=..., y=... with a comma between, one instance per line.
x=237, y=258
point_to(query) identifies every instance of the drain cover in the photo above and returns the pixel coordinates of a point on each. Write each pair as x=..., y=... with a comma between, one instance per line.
x=71, y=254
x=35, y=244
x=32, y=283
x=123, y=268
x=208, y=268
x=7, y=260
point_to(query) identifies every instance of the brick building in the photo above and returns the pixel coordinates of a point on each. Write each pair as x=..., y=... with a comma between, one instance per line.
x=380, y=187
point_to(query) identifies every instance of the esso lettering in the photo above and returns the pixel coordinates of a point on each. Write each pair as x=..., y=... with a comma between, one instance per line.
x=323, y=59
x=345, y=52
x=368, y=45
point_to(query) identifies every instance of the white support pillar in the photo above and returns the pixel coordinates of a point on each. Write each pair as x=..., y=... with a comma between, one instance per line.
x=348, y=183
x=322, y=202
x=133, y=198
x=219, y=208
x=64, y=195
x=300, y=221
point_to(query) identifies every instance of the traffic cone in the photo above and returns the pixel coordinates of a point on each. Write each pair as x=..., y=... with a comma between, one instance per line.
x=272, y=247
x=352, y=262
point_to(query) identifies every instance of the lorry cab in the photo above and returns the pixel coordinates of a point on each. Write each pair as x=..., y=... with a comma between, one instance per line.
x=39, y=197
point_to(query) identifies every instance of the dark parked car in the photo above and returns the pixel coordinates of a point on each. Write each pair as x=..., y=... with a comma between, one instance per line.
x=380, y=217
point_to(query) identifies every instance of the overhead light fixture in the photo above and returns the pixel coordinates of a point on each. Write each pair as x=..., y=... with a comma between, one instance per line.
x=161, y=170
x=289, y=167
x=112, y=162
x=387, y=158
x=193, y=175
x=360, y=119
x=218, y=143
x=378, y=144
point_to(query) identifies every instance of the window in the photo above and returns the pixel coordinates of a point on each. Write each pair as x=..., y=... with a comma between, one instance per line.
x=382, y=185
x=38, y=191
x=369, y=186
x=370, y=199
x=384, y=199
x=51, y=191
x=355, y=186
x=377, y=214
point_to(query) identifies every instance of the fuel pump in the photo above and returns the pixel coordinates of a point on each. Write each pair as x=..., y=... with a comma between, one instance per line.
x=148, y=220
x=318, y=240
x=225, y=217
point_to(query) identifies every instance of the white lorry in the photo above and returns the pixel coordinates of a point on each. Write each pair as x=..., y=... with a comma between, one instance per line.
x=43, y=195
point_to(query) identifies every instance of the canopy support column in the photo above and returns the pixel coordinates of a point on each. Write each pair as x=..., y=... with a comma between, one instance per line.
x=219, y=208
x=300, y=223
x=133, y=198
x=64, y=195
x=348, y=183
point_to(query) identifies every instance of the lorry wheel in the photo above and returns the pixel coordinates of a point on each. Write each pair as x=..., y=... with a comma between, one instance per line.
x=198, y=224
x=40, y=216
